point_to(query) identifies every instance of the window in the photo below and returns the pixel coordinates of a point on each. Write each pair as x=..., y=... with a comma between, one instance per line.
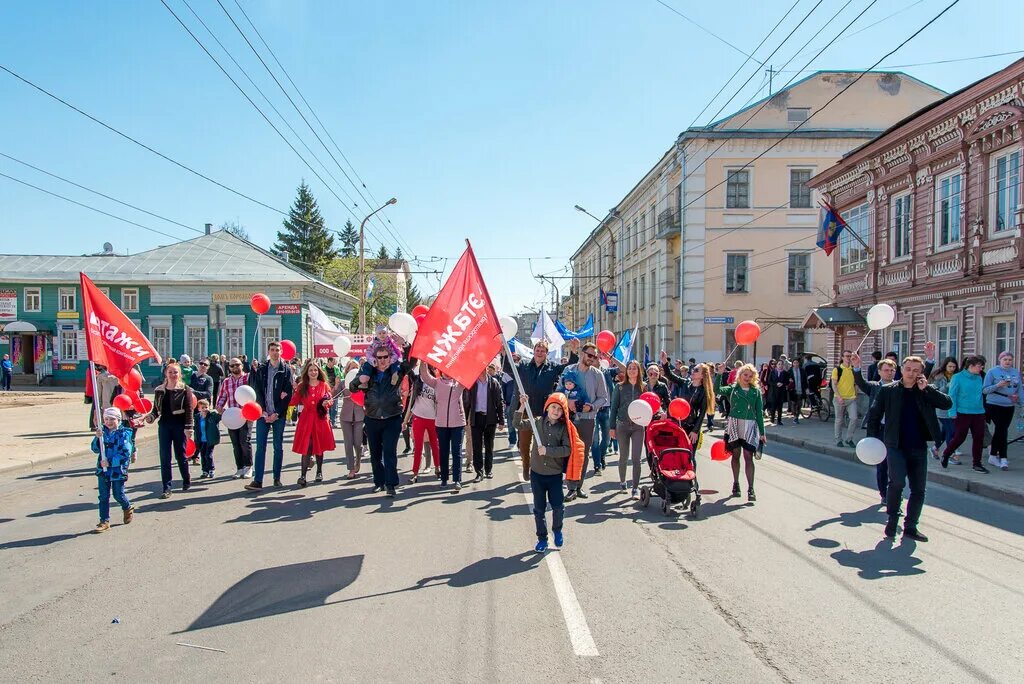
x=643, y=292
x=68, y=299
x=795, y=115
x=234, y=341
x=635, y=294
x=946, y=342
x=130, y=299
x=68, y=344
x=195, y=342
x=798, y=274
x=796, y=342
x=636, y=234
x=799, y=193
x=947, y=210
x=678, y=275
x=270, y=333
x=852, y=255
x=160, y=336
x=900, y=226
x=1004, y=337
x=737, y=190
x=730, y=346
x=900, y=343
x=33, y=299
x=1006, y=190
x=735, y=273
x=654, y=288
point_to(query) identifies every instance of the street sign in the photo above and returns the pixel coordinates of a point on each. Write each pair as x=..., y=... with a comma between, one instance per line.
x=288, y=308
x=613, y=302
x=722, y=320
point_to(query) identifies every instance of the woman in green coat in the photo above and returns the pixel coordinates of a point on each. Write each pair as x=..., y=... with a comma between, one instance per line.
x=744, y=428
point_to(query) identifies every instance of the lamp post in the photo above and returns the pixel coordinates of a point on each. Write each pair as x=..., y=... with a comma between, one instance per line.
x=614, y=213
x=362, y=267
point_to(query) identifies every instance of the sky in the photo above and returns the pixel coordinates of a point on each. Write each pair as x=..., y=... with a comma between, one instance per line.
x=487, y=120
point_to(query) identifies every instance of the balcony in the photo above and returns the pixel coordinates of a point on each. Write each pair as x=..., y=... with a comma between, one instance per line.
x=668, y=224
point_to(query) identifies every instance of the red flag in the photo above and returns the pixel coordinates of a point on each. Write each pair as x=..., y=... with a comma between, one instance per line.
x=113, y=340
x=461, y=333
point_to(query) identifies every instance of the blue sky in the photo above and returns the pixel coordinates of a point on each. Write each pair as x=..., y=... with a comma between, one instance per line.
x=488, y=120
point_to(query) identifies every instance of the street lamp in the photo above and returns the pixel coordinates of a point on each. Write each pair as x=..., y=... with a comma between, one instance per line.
x=362, y=267
x=614, y=213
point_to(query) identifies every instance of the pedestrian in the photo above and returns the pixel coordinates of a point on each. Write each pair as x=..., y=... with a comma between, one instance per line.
x=575, y=394
x=602, y=425
x=240, y=446
x=173, y=404
x=313, y=434
x=778, y=381
x=744, y=429
x=721, y=376
x=486, y=415
x=272, y=382
x=844, y=400
x=216, y=371
x=207, y=435
x=940, y=379
x=112, y=464
x=538, y=376
x=383, y=421
x=699, y=392
x=655, y=383
x=187, y=369
x=7, y=371
x=813, y=374
x=509, y=392
x=588, y=370
x=873, y=374
x=967, y=412
x=334, y=378
x=886, y=370
x=450, y=421
x=903, y=417
x=420, y=414
x=557, y=449
x=1002, y=389
x=351, y=417
x=629, y=435
x=796, y=388
x=202, y=386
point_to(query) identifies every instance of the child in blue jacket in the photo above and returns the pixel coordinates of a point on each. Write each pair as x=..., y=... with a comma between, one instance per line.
x=112, y=466
x=573, y=389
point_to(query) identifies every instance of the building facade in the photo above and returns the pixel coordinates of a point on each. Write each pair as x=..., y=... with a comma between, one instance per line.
x=710, y=238
x=937, y=199
x=190, y=298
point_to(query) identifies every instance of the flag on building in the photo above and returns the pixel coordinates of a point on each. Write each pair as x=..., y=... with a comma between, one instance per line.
x=604, y=297
x=111, y=338
x=832, y=224
x=460, y=334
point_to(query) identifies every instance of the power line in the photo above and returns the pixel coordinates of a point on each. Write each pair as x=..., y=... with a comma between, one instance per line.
x=940, y=61
x=702, y=28
x=875, y=23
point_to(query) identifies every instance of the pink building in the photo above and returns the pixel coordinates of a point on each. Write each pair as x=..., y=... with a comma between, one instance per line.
x=938, y=200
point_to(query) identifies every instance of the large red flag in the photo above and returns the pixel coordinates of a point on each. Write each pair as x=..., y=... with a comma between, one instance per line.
x=113, y=340
x=461, y=333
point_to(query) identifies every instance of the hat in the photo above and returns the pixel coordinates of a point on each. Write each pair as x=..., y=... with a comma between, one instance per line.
x=570, y=376
x=380, y=327
x=112, y=412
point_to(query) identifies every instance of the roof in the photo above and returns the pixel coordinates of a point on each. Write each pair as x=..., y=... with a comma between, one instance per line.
x=218, y=257
x=832, y=316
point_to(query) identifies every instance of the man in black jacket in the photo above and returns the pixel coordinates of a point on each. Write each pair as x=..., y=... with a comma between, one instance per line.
x=903, y=417
x=383, y=422
x=486, y=413
x=272, y=381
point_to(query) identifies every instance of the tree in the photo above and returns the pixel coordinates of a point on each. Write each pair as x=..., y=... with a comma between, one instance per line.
x=382, y=253
x=349, y=240
x=305, y=237
x=236, y=229
x=383, y=300
x=398, y=253
x=413, y=296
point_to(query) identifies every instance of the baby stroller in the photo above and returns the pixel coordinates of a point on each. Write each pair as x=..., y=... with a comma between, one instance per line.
x=673, y=469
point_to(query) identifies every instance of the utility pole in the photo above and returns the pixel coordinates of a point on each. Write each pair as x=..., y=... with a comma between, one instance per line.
x=771, y=73
x=362, y=267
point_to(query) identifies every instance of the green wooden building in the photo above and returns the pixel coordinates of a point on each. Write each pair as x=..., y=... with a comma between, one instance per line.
x=191, y=298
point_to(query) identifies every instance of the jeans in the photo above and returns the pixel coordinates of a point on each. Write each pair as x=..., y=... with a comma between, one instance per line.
x=906, y=465
x=513, y=435
x=7, y=381
x=585, y=428
x=205, y=450
x=948, y=430
x=240, y=446
x=483, y=445
x=964, y=423
x=333, y=413
x=262, y=432
x=106, y=485
x=1001, y=417
x=382, y=436
x=847, y=408
x=547, y=489
x=170, y=435
x=601, y=436
x=449, y=443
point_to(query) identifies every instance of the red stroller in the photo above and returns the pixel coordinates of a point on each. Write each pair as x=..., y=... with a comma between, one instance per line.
x=673, y=469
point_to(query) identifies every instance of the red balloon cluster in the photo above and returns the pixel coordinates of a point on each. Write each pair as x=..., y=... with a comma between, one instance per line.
x=252, y=411
x=190, y=447
x=287, y=350
x=260, y=303
x=143, y=405
x=133, y=381
x=719, y=452
x=419, y=310
x=605, y=341
x=747, y=332
x=679, y=408
x=124, y=401
x=653, y=399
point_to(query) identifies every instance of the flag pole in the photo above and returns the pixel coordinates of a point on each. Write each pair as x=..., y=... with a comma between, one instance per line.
x=96, y=405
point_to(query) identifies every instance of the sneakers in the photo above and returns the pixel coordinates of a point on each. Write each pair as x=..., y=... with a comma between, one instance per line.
x=623, y=486
x=1004, y=464
x=597, y=473
x=129, y=513
x=489, y=476
x=240, y=473
x=571, y=495
x=633, y=494
x=955, y=458
x=391, y=493
x=104, y=526
x=541, y=547
x=254, y=486
x=944, y=462
x=559, y=539
x=934, y=451
x=751, y=497
x=980, y=469
x=414, y=479
x=479, y=478
x=319, y=477
x=735, y=488
x=247, y=473
x=993, y=460
x=166, y=494
x=378, y=490
x=457, y=488
x=890, y=527
x=914, y=534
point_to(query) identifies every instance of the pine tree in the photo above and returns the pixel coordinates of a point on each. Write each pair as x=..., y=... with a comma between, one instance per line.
x=349, y=240
x=382, y=253
x=398, y=253
x=305, y=237
x=413, y=296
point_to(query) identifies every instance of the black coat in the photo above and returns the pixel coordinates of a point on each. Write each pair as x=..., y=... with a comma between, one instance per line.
x=495, y=403
x=539, y=381
x=202, y=386
x=282, y=383
x=888, y=403
x=383, y=399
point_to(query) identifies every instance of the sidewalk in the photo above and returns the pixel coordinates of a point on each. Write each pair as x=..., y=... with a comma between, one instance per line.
x=1007, y=486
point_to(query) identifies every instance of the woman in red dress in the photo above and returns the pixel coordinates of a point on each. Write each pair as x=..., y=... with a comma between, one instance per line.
x=313, y=433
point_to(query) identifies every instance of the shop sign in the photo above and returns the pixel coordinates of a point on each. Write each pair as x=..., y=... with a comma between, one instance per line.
x=67, y=314
x=8, y=306
x=68, y=367
x=288, y=309
x=232, y=296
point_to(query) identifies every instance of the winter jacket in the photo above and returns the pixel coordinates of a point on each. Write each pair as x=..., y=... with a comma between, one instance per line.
x=202, y=385
x=495, y=403
x=451, y=397
x=383, y=394
x=282, y=382
x=622, y=396
x=117, y=445
x=212, y=425
x=180, y=403
x=965, y=391
x=888, y=404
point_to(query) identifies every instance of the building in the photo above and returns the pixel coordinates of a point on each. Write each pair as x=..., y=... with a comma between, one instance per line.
x=937, y=199
x=191, y=297
x=712, y=236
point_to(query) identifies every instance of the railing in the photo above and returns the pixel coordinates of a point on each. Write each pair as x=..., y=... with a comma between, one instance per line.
x=668, y=223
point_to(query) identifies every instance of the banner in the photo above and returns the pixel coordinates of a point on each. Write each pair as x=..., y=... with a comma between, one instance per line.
x=586, y=331
x=460, y=334
x=8, y=306
x=112, y=339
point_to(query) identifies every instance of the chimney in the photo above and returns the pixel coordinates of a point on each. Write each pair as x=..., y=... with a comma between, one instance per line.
x=284, y=255
x=209, y=228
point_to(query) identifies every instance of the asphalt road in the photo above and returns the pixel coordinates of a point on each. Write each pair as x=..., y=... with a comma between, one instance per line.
x=334, y=583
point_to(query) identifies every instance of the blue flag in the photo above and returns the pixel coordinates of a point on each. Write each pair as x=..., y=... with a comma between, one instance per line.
x=828, y=232
x=586, y=331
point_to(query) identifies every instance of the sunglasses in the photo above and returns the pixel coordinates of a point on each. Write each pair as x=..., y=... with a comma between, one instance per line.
x=382, y=358
x=590, y=355
x=234, y=365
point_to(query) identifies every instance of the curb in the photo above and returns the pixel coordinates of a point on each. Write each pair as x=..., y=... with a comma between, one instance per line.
x=19, y=467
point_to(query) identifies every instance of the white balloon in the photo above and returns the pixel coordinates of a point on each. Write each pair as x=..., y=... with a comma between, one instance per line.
x=233, y=418
x=244, y=395
x=509, y=327
x=605, y=364
x=880, y=316
x=640, y=412
x=403, y=324
x=871, y=450
x=342, y=345
x=351, y=375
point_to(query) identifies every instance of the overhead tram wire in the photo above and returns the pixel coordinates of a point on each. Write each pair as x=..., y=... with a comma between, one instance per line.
x=303, y=116
x=940, y=61
x=874, y=23
x=702, y=28
x=312, y=111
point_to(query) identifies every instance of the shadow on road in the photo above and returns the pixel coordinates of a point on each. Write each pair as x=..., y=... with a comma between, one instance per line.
x=885, y=560
x=41, y=541
x=871, y=514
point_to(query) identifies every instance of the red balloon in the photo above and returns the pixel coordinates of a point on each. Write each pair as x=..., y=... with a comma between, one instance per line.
x=419, y=310
x=419, y=319
x=747, y=332
x=358, y=397
x=606, y=341
x=287, y=350
x=123, y=401
x=679, y=408
x=195, y=402
x=190, y=447
x=260, y=303
x=133, y=381
x=719, y=452
x=143, y=405
x=653, y=399
x=252, y=411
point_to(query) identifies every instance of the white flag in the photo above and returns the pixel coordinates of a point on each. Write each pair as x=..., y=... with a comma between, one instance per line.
x=545, y=330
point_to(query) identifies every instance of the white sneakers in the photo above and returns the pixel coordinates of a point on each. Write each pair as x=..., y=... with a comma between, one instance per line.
x=1004, y=464
x=247, y=473
x=238, y=473
x=993, y=460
